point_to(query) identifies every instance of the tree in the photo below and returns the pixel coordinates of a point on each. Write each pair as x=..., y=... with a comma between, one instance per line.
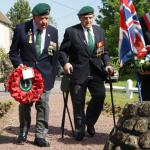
x=108, y=18
x=19, y=12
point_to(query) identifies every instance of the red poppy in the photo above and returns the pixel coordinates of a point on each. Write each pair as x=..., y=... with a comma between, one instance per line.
x=25, y=91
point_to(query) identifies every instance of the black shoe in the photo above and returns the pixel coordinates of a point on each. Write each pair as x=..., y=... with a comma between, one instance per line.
x=91, y=130
x=78, y=135
x=22, y=137
x=41, y=142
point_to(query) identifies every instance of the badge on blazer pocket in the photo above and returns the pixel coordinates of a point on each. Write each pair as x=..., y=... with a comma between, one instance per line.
x=99, y=48
x=51, y=48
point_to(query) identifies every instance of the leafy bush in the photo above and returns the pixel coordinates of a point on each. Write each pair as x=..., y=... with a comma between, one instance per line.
x=5, y=65
x=4, y=107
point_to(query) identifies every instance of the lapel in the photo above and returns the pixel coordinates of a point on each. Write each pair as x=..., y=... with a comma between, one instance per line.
x=99, y=42
x=96, y=38
x=83, y=39
x=96, y=35
x=47, y=39
x=30, y=34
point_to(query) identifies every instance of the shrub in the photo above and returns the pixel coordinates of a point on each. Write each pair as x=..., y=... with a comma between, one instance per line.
x=4, y=107
x=5, y=65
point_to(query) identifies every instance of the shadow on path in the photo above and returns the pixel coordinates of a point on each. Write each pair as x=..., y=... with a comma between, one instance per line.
x=99, y=138
x=7, y=139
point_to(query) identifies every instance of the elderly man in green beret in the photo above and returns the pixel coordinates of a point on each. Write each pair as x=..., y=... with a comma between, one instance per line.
x=35, y=44
x=88, y=66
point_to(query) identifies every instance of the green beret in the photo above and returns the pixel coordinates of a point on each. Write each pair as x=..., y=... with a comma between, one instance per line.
x=86, y=10
x=41, y=9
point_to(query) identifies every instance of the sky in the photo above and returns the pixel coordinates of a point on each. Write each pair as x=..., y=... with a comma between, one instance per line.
x=64, y=12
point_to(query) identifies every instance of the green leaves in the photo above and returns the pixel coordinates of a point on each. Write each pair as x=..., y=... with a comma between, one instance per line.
x=143, y=65
x=19, y=12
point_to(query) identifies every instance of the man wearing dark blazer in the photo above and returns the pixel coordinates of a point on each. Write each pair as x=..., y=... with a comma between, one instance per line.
x=84, y=57
x=23, y=51
x=145, y=79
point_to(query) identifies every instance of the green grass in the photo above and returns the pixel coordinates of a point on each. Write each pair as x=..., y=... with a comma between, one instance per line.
x=120, y=98
x=123, y=80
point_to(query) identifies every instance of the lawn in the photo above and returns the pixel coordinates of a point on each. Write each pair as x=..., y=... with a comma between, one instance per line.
x=120, y=98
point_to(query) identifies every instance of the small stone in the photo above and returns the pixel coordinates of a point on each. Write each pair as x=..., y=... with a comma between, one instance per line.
x=129, y=124
x=132, y=141
x=141, y=125
x=144, y=140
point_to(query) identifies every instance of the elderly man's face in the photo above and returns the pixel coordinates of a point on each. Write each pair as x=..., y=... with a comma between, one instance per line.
x=87, y=20
x=41, y=21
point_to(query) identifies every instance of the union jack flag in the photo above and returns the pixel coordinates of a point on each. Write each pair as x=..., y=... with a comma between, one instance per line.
x=131, y=41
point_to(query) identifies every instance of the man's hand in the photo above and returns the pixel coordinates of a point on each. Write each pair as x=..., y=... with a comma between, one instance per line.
x=20, y=65
x=68, y=69
x=109, y=70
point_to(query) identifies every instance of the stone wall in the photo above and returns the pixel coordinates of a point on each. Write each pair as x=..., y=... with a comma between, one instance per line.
x=132, y=131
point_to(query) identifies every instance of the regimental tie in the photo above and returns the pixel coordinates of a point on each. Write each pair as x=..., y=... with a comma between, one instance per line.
x=38, y=43
x=91, y=43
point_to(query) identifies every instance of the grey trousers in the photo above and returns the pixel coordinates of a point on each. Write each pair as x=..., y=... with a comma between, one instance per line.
x=42, y=116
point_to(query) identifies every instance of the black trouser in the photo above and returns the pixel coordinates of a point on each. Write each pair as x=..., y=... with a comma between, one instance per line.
x=78, y=95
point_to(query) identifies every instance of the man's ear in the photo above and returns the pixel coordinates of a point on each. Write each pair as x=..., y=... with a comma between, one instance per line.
x=80, y=18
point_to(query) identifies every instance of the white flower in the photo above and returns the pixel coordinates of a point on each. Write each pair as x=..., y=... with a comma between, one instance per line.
x=142, y=61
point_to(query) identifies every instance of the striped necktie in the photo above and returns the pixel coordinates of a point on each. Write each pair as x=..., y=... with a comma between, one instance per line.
x=38, y=43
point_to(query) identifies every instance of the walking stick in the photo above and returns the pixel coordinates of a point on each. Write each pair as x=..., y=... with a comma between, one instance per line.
x=112, y=101
x=65, y=91
x=65, y=97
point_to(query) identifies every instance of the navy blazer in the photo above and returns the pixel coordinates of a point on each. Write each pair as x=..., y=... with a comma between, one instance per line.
x=23, y=52
x=74, y=49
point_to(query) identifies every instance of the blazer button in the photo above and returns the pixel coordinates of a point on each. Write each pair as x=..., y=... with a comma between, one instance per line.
x=37, y=62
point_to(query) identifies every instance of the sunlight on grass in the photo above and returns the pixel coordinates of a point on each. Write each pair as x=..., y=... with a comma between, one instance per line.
x=120, y=98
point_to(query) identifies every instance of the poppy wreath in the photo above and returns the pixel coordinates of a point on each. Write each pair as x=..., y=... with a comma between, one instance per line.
x=25, y=91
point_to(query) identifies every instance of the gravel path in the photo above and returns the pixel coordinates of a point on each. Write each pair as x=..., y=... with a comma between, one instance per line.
x=9, y=128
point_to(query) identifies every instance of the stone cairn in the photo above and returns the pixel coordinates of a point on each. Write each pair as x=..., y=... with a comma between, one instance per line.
x=132, y=131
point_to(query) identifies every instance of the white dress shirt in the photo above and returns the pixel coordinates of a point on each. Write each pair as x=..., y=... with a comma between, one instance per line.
x=43, y=32
x=86, y=33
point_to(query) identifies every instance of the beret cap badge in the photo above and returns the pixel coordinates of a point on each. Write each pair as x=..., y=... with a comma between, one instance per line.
x=41, y=9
